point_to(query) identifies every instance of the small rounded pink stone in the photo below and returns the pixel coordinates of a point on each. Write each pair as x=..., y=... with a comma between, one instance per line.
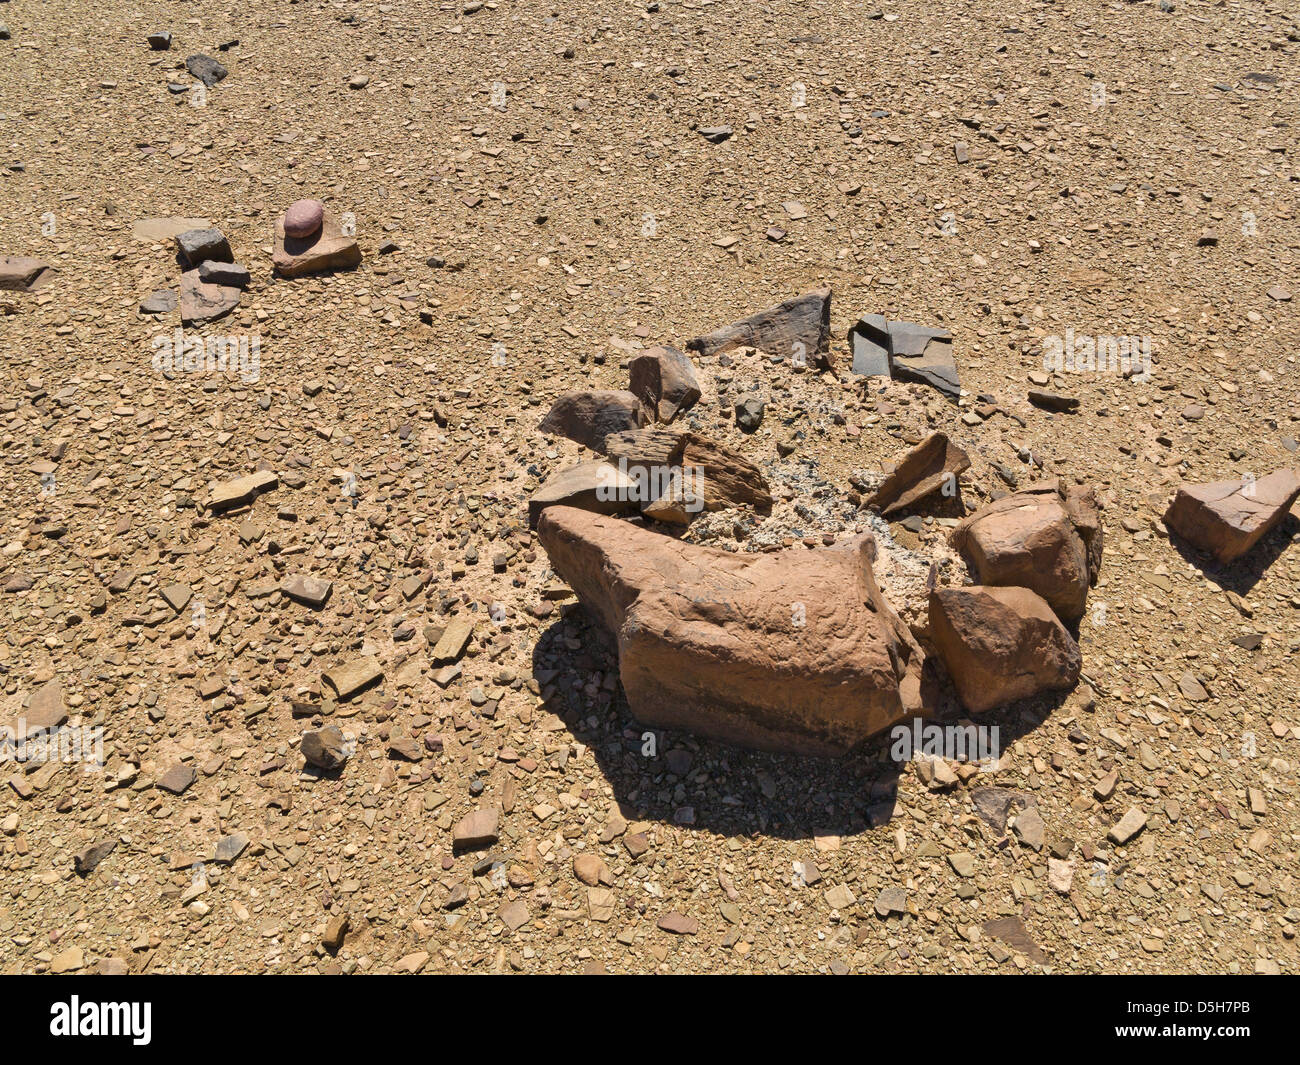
x=303, y=218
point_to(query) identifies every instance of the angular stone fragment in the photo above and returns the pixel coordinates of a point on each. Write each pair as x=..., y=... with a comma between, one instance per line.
x=453, y=641
x=589, y=417
x=1053, y=401
x=201, y=302
x=922, y=354
x=869, y=345
x=663, y=378
x=160, y=41
x=227, y=494
x=794, y=650
x=798, y=329
x=310, y=591
x=476, y=830
x=206, y=69
x=1039, y=538
x=325, y=748
x=21, y=273
x=177, y=595
x=230, y=847
x=45, y=710
x=1001, y=644
x=353, y=677
x=84, y=862
x=329, y=248
x=1128, y=826
x=197, y=246
x=1228, y=518
x=177, y=779
x=718, y=476
x=904, y=350
x=934, y=463
x=229, y=275
x=1012, y=932
x=597, y=486
x=161, y=302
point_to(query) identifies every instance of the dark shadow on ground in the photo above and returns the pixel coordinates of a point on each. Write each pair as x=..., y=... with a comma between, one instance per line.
x=695, y=782
x=1242, y=575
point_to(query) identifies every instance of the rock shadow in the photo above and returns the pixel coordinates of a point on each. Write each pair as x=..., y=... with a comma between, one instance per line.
x=678, y=778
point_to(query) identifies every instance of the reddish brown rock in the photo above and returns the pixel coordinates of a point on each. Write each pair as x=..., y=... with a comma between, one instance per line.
x=21, y=273
x=663, y=378
x=1001, y=644
x=1228, y=518
x=715, y=476
x=328, y=248
x=589, y=417
x=791, y=651
x=797, y=328
x=1043, y=539
x=928, y=467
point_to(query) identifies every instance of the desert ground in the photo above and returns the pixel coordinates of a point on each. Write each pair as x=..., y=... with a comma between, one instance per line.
x=535, y=204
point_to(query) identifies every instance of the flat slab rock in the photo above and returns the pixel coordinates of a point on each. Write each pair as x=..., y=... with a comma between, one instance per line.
x=786, y=651
x=1227, y=518
x=797, y=328
x=597, y=486
x=202, y=302
x=588, y=417
x=927, y=468
x=327, y=249
x=1001, y=644
x=904, y=350
x=22, y=273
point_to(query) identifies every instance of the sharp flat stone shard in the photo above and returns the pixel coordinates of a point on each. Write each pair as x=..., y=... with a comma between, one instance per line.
x=353, y=677
x=912, y=352
x=793, y=650
x=798, y=328
x=242, y=490
x=932, y=466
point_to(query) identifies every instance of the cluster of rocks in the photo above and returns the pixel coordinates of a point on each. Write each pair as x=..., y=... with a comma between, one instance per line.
x=211, y=283
x=799, y=649
x=311, y=240
x=663, y=472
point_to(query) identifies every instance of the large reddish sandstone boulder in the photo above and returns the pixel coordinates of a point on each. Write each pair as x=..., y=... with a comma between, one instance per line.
x=589, y=417
x=1228, y=518
x=1045, y=538
x=1001, y=644
x=792, y=651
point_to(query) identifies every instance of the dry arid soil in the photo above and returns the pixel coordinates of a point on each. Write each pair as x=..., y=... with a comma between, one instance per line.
x=535, y=203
